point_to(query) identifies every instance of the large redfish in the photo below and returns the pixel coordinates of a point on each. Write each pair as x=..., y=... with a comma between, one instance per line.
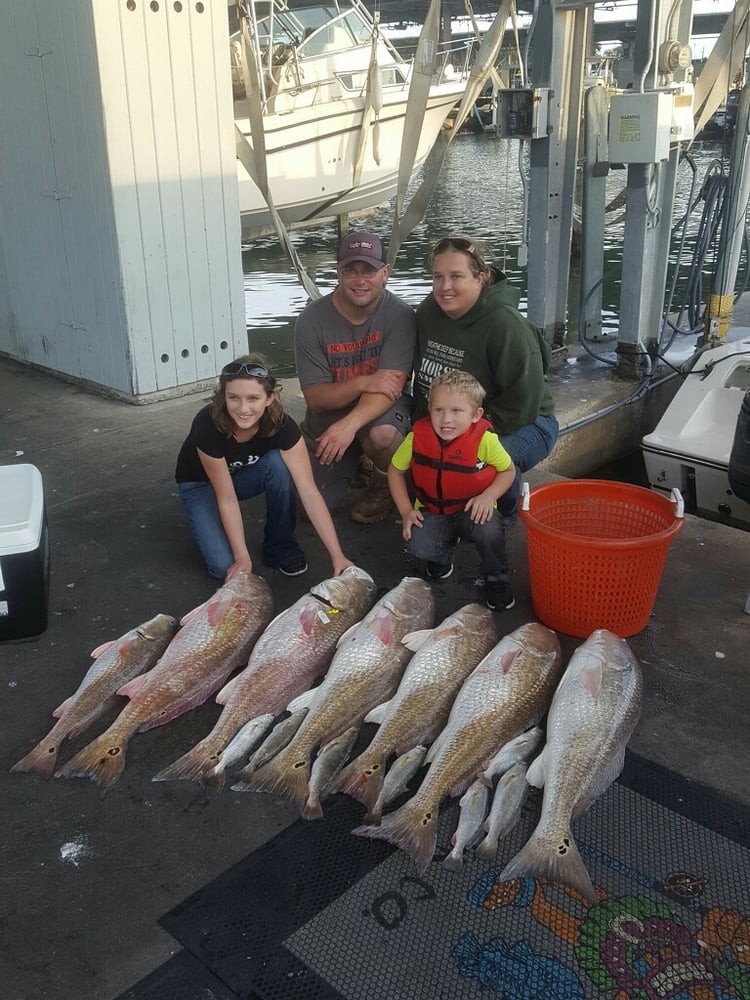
x=365, y=671
x=592, y=716
x=444, y=658
x=215, y=639
x=294, y=650
x=506, y=693
x=115, y=663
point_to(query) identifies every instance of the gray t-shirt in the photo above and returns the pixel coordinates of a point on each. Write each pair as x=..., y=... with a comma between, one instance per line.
x=330, y=349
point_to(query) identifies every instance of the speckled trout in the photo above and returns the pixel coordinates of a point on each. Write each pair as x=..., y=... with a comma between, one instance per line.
x=115, y=663
x=365, y=671
x=509, y=691
x=294, y=650
x=592, y=716
x=443, y=659
x=215, y=639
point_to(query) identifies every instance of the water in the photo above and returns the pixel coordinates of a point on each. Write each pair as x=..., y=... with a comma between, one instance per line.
x=478, y=193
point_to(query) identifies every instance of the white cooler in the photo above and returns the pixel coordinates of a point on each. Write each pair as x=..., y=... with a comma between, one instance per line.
x=24, y=553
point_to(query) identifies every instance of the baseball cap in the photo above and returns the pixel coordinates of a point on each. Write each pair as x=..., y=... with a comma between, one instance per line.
x=365, y=247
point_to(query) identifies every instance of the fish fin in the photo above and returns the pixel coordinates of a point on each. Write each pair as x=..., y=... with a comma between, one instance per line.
x=454, y=862
x=83, y=724
x=287, y=774
x=191, y=614
x=590, y=676
x=415, y=640
x=96, y=653
x=102, y=760
x=382, y=627
x=41, y=759
x=487, y=850
x=378, y=713
x=134, y=686
x=62, y=709
x=302, y=701
x=308, y=617
x=218, y=606
x=362, y=779
x=555, y=862
x=312, y=809
x=215, y=779
x=411, y=828
x=224, y=693
x=536, y=776
x=194, y=764
x=605, y=780
x=508, y=659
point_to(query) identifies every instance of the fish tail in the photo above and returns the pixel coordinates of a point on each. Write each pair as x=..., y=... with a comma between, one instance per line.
x=556, y=861
x=102, y=760
x=194, y=765
x=215, y=778
x=286, y=774
x=412, y=828
x=487, y=850
x=41, y=759
x=454, y=862
x=362, y=779
x=312, y=809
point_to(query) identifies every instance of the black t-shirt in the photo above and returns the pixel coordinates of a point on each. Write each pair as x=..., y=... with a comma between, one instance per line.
x=204, y=434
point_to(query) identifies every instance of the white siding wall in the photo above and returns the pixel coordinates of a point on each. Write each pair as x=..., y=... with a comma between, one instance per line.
x=119, y=219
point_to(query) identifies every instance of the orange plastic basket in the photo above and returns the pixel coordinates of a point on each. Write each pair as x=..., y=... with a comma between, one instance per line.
x=597, y=550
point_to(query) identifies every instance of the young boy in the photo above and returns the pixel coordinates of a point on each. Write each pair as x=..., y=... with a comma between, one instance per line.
x=459, y=470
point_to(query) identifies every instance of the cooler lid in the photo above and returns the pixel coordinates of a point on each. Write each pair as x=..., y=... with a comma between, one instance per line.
x=21, y=508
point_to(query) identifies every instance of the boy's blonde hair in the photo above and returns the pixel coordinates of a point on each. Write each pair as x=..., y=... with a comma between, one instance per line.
x=461, y=383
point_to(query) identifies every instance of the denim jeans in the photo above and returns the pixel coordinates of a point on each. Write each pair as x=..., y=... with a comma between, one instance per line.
x=527, y=446
x=268, y=475
x=436, y=541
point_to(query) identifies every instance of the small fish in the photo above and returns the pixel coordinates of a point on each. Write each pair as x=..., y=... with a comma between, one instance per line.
x=510, y=795
x=239, y=747
x=592, y=716
x=115, y=663
x=473, y=811
x=396, y=781
x=507, y=692
x=327, y=764
x=521, y=748
x=280, y=736
x=365, y=672
x=294, y=650
x=196, y=663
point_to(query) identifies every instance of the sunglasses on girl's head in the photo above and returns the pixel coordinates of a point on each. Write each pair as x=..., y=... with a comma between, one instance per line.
x=243, y=370
x=462, y=245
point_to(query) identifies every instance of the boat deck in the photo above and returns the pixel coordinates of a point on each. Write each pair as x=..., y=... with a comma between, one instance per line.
x=86, y=878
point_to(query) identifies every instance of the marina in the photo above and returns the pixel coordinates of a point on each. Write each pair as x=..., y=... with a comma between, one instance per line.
x=137, y=258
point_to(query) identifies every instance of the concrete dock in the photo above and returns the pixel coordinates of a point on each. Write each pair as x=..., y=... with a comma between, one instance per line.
x=86, y=878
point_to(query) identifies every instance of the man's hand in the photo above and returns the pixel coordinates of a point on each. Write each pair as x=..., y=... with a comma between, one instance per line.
x=386, y=382
x=332, y=444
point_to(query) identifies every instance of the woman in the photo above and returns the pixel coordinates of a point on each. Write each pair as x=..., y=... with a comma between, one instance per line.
x=471, y=322
x=240, y=445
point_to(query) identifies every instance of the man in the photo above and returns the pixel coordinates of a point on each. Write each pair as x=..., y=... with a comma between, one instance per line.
x=354, y=350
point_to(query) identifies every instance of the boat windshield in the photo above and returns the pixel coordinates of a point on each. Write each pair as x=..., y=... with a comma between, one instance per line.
x=314, y=30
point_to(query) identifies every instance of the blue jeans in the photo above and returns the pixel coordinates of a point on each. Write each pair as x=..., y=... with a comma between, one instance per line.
x=436, y=541
x=268, y=475
x=527, y=446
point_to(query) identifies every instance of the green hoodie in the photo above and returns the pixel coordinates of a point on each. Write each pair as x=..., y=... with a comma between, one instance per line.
x=496, y=344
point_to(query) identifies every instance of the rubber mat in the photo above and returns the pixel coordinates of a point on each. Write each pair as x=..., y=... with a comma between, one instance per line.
x=322, y=915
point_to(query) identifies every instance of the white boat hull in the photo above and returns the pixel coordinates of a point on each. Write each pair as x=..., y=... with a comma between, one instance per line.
x=690, y=447
x=310, y=159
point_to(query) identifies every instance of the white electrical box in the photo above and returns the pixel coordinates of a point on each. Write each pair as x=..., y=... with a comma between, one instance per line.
x=640, y=127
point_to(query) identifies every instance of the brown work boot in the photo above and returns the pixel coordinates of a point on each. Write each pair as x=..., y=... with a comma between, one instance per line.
x=377, y=502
